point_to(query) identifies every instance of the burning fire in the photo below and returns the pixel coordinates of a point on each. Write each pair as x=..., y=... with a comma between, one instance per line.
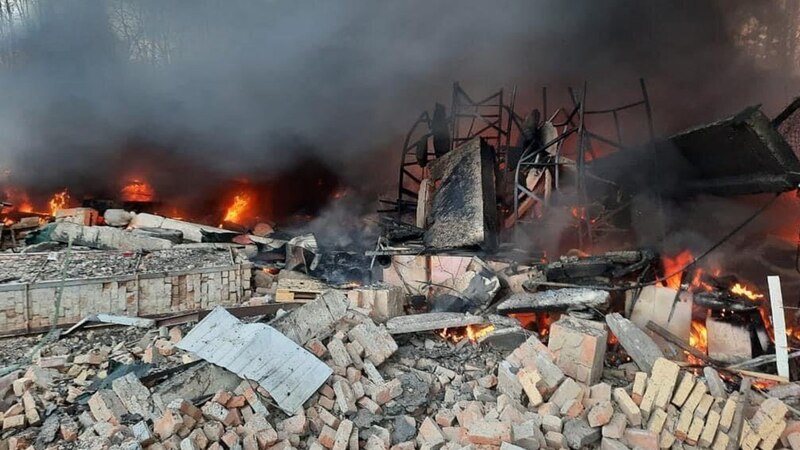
x=19, y=199
x=60, y=200
x=698, y=338
x=533, y=321
x=579, y=213
x=743, y=290
x=137, y=191
x=472, y=332
x=237, y=208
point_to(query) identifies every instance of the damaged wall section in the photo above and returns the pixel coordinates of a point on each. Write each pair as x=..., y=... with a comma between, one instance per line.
x=120, y=284
x=464, y=208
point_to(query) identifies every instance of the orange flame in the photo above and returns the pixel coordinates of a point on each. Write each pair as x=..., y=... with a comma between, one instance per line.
x=743, y=290
x=236, y=210
x=673, y=266
x=698, y=338
x=540, y=322
x=673, y=271
x=137, y=191
x=472, y=332
x=60, y=200
x=19, y=199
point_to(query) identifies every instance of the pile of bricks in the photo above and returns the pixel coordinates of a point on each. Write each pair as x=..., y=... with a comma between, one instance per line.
x=385, y=396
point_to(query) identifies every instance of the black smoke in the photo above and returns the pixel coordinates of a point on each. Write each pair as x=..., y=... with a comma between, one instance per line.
x=249, y=88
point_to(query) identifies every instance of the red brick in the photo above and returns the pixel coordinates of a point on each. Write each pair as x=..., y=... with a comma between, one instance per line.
x=168, y=424
x=230, y=438
x=489, y=432
x=222, y=397
x=327, y=437
x=430, y=434
x=236, y=401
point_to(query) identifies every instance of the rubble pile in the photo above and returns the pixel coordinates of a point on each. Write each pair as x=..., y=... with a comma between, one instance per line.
x=416, y=391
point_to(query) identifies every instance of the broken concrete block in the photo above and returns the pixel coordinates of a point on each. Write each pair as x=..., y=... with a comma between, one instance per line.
x=106, y=238
x=553, y=300
x=345, y=398
x=569, y=390
x=580, y=434
x=430, y=434
x=528, y=435
x=555, y=440
x=489, y=432
x=315, y=319
x=612, y=444
x=13, y=421
x=551, y=423
x=643, y=439
x=69, y=429
x=636, y=342
x=339, y=353
x=616, y=426
x=600, y=414
x=52, y=362
x=383, y=301
x=600, y=391
x=579, y=347
x=716, y=386
x=464, y=207
x=31, y=414
x=507, y=381
x=222, y=397
x=215, y=411
x=141, y=431
x=106, y=406
x=377, y=342
x=133, y=394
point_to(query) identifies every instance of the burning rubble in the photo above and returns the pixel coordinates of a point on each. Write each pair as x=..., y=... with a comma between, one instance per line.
x=438, y=331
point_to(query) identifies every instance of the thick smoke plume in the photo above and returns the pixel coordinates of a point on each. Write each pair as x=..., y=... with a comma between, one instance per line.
x=204, y=90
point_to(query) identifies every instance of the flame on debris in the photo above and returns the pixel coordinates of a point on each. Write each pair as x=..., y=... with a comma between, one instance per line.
x=673, y=271
x=533, y=321
x=237, y=208
x=137, y=190
x=472, y=332
x=60, y=200
x=19, y=199
x=698, y=338
x=579, y=213
x=743, y=290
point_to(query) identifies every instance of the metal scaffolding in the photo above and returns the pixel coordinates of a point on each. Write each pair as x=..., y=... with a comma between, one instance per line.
x=547, y=156
x=490, y=118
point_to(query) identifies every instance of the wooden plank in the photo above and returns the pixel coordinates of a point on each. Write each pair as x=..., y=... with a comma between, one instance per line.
x=287, y=296
x=779, y=325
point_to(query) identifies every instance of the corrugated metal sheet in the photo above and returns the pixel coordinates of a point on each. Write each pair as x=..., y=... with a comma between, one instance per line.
x=260, y=353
